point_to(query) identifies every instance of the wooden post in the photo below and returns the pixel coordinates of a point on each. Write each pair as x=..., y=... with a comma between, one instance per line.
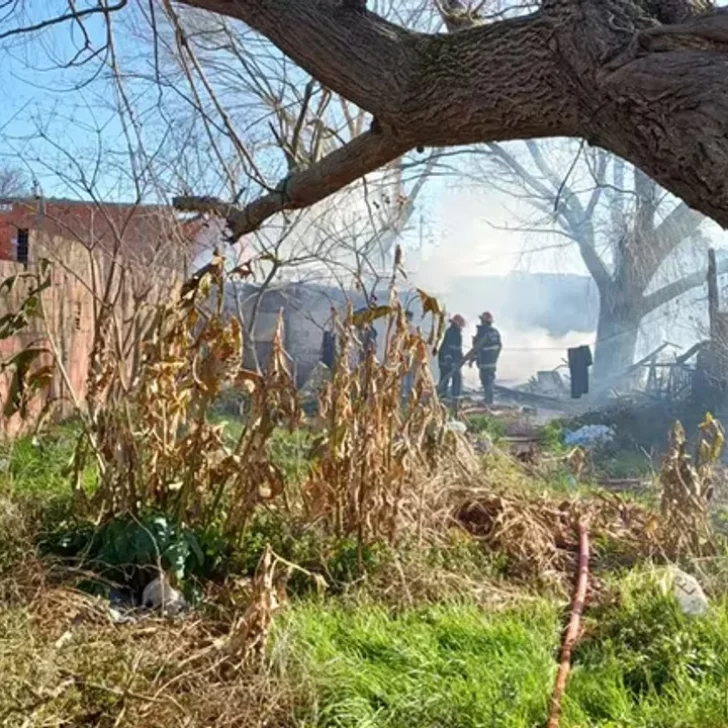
x=713, y=302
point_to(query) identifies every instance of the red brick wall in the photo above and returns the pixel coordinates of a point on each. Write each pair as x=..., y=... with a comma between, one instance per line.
x=142, y=232
x=69, y=308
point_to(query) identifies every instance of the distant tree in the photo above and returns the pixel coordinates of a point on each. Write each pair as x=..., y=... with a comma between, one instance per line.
x=13, y=182
x=624, y=225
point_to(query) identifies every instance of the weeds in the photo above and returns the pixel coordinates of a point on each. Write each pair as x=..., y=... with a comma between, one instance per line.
x=159, y=450
x=430, y=556
x=641, y=662
x=686, y=489
x=487, y=425
x=374, y=457
x=64, y=662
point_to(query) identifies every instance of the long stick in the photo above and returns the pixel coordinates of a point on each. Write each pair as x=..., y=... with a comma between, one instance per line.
x=572, y=633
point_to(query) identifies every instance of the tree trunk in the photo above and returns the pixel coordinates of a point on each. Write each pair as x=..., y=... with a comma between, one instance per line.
x=617, y=332
x=609, y=71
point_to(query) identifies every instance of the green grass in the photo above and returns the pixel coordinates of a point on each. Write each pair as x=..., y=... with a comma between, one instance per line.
x=452, y=665
x=37, y=466
x=482, y=424
x=641, y=664
x=551, y=437
x=355, y=662
x=625, y=463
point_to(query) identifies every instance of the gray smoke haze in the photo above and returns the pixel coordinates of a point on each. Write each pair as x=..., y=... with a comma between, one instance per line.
x=538, y=289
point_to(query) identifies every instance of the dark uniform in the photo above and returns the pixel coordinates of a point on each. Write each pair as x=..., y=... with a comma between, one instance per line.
x=328, y=349
x=450, y=361
x=367, y=337
x=486, y=350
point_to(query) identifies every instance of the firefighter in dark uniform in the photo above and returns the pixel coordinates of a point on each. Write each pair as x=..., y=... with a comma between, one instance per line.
x=450, y=358
x=485, y=352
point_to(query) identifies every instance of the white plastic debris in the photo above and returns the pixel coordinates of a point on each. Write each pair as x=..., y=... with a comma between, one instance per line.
x=65, y=638
x=589, y=436
x=687, y=591
x=456, y=426
x=159, y=594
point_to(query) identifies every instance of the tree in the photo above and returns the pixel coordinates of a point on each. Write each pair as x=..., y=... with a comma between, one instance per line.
x=623, y=225
x=13, y=182
x=257, y=115
x=225, y=78
x=644, y=79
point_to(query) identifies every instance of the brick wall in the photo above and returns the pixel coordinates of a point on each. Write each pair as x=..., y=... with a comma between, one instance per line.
x=69, y=307
x=141, y=232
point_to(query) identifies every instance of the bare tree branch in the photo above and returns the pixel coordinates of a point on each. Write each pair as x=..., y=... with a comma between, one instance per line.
x=74, y=16
x=572, y=214
x=677, y=288
x=364, y=154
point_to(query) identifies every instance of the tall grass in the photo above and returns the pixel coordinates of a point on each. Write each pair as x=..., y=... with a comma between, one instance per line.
x=448, y=666
x=642, y=664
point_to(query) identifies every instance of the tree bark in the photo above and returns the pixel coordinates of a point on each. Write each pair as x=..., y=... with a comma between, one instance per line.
x=617, y=334
x=607, y=71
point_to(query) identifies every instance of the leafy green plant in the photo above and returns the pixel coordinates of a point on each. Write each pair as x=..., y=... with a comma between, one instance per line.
x=129, y=550
x=551, y=437
x=487, y=425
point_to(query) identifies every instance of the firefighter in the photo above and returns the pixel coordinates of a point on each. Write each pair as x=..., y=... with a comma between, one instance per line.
x=450, y=358
x=485, y=352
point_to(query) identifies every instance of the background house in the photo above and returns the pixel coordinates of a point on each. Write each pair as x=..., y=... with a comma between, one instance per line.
x=123, y=254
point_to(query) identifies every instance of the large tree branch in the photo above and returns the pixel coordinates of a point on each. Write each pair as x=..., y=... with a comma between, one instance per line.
x=578, y=218
x=644, y=79
x=363, y=57
x=669, y=112
x=418, y=85
x=362, y=155
x=402, y=78
x=672, y=290
x=596, y=69
x=678, y=226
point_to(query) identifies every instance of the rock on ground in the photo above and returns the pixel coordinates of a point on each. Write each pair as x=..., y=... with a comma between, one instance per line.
x=687, y=591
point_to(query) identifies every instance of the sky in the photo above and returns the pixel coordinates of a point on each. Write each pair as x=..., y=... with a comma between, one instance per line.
x=40, y=98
